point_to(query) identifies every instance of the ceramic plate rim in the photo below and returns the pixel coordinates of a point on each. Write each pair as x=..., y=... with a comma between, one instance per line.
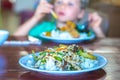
x=64, y=72
x=86, y=38
x=68, y=41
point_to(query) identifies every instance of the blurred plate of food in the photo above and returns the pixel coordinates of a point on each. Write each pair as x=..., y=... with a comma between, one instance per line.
x=64, y=37
x=69, y=34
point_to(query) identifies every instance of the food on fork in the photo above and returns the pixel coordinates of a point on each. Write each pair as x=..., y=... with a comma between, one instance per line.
x=54, y=14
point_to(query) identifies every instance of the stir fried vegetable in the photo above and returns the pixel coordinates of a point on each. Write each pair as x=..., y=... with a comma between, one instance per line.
x=62, y=57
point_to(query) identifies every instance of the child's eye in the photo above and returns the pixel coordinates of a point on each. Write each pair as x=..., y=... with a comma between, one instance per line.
x=59, y=2
x=71, y=4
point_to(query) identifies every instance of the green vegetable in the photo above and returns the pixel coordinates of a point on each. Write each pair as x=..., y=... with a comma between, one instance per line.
x=35, y=57
x=60, y=53
x=43, y=61
x=42, y=53
x=87, y=55
x=58, y=58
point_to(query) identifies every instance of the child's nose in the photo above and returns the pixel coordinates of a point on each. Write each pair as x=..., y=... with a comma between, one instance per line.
x=63, y=6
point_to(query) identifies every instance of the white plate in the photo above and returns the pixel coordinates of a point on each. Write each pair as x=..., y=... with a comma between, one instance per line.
x=28, y=61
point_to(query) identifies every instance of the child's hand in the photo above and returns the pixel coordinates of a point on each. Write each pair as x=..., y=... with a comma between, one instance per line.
x=95, y=20
x=43, y=8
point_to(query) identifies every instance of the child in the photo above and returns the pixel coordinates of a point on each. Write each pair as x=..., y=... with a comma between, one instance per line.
x=66, y=10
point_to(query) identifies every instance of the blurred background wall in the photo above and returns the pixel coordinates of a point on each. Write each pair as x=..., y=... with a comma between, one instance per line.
x=16, y=12
x=112, y=9
x=22, y=5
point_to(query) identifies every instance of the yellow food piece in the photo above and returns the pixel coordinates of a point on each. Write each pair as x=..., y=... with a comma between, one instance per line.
x=71, y=24
x=48, y=50
x=64, y=28
x=48, y=34
x=60, y=49
x=70, y=27
x=74, y=33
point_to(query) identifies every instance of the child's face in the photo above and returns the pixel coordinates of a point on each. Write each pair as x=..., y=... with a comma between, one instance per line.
x=67, y=10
